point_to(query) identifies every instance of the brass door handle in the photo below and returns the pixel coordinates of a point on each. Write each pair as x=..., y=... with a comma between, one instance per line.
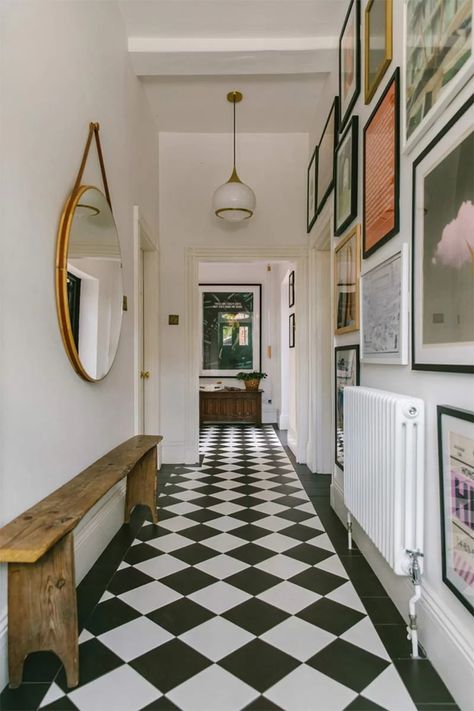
x=144, y=374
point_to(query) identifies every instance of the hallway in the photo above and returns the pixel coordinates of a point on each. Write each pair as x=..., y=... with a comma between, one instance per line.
x=240, y=599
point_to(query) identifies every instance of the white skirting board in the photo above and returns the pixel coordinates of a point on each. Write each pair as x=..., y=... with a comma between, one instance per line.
x=447, y=647
x=93, y=534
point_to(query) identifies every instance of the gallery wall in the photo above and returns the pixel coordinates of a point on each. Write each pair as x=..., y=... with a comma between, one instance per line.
x=62, y=65
x=446, y=626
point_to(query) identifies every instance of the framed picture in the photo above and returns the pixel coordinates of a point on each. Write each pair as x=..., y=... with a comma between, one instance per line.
x=443, y=249
x=311, y=187
x=378, y=44
x=347, y=372
x=381, y=181
x=230, y=329
x=291, y=289
x=326, y=148
x=346, y=282
x=439, y=60
x=456, y=479
x=292, y=330
x=384, y=337
x=346, y=171
x=349, y=61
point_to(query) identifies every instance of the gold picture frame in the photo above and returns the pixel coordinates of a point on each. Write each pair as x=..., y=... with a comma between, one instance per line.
x=377, y=26
x=347, y=283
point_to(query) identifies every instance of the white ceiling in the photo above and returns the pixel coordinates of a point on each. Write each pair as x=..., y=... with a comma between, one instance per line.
x=190, y=53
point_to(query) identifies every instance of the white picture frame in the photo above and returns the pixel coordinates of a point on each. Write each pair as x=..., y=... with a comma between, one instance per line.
x=384, y=310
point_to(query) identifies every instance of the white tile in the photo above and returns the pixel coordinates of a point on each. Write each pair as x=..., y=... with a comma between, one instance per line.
x=135, y=638
x=306, y=689
x=214, y=689
x=161, y=566
x=289, y=597
x=171, y=542
x=85, y=636
x=364, y=635
x=268, y=495
x=346, y=595
x=219, y=597
x=322, y=542
x=222, y=566
x=227, y=484
x=228, y=476
x=313, y=523
x=216, y=638
x=177, y=523
x=190, y=484
x=307, y=507
x=389, y=691
x=298, y=638
x=121, y=690
x=183, y=508
x=53, y=694
x=278, y=542
x=187, y=495
x=333, y=565
x=123, y=565
x=270, y=508
x=149, y=597
x=273, y=523
x=283, y=566
x=223, y=542
x=107, y=595
x=227, y=495
x=224, y=523
x=226, y=508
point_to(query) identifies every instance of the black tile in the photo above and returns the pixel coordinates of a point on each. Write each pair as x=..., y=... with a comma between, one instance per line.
x=149, y=533
x=382, y=611
x=262, y=704
x=251, y=553
x=199, y=532
x=308, y=553
x=206, y=501
x=40, y=666
x=188, y=580
x=423, y=682
x=319, y=581
x=253, y=580
x=259, y=664
x=170, y=664
x=248, y=532
x=62, y=704
x=300, y=532
x=348, y=664
x=161, y=704
x=203, y=515
x=256, y=616
x=128, y=579
x=194, y=553
x=294, y=515
x=141, y=552
x=395, y=640
x=26, y=697
x=180, y=616
x=248, y=501
x=110, y=614
x=363, y=577
x=331, y=616
x=360, y=703
x=248, y=515
x=95, y=659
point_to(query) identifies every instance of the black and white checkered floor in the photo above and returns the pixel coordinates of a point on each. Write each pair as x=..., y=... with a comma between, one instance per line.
x=237, y=600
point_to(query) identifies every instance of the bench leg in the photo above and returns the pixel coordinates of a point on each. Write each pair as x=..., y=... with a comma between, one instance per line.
x=141, y=486
x=42, y=611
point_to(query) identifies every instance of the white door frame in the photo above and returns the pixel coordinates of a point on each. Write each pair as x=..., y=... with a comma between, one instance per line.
x=143, y=240
x=195, y=255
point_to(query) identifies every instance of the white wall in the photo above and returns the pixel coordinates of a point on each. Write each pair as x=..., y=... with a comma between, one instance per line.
x=447, y=629
x=192, y=166
x=62, y=65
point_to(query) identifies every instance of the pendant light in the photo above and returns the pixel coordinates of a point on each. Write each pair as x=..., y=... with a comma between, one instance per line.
x=234, y=201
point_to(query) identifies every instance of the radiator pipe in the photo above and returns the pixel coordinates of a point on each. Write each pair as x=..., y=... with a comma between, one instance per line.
x=412, y=627
x=349, y=530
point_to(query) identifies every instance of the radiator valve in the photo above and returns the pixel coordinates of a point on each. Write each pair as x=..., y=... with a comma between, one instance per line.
x=415, y=569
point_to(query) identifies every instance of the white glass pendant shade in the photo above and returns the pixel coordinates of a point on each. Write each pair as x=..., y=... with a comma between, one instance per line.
x=234, y=201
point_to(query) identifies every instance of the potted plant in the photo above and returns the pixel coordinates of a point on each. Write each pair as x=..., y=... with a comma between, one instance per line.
x=251, y=380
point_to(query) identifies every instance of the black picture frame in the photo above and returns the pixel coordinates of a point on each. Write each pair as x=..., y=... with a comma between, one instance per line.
x=352, y=130
x=354, y=7
x=312, y=179
x=324, y=150
x=338, y=402
x=292, y=330
x=417, y=271
x=450, y=481
x=291, y=289
x=367, y=251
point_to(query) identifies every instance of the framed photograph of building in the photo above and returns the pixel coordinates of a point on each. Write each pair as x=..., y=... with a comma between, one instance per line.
x=346, y=282
x=349, y=62
x=456, y=479
x=346, y=171
x=311, y=187
x=443, y=249
x=439, y=60
x=230, y=329
x=291, y=331
x=326, y=148
x=291, y=289
x=384, y=321
x=346, y=371
x=378, y=44
x=381, y=180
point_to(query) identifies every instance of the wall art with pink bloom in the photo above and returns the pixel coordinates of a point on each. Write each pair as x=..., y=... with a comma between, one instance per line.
x=443, y=249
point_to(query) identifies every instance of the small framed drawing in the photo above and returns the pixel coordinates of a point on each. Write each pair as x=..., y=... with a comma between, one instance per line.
x=291, y=289
x=378, y=44
x=230, y=326
x=384, y=322
x=326, y=148
x=439, y=60
x=346, y=282
x=381, y=181
x=346, y=165
x=311, y=187
x=346, y=371
x=456, y=479
x=349, y=61
x=443, y=249
x=292, y=330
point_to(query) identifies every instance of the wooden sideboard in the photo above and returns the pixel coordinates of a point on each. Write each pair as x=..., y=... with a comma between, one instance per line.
x=239, y=406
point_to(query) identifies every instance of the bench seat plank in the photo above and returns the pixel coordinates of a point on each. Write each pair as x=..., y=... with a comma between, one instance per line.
x=33, y=533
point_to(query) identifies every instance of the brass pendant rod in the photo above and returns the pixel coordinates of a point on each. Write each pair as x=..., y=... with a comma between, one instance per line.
x=93, y=133
x=233, y=103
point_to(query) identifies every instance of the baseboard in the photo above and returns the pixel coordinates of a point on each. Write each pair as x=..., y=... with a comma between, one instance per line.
x=448, y=647
x=292, y=442
x=283, y=421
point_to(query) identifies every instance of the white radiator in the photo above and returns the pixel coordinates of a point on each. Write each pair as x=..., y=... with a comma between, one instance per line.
x=383, y=470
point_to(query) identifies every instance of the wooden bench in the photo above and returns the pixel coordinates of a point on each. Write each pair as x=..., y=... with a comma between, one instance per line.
x=38, y=547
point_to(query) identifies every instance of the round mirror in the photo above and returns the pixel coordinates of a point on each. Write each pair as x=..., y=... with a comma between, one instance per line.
x=89, y=287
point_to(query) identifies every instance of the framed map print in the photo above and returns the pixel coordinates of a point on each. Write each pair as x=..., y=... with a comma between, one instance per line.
x=326, y=148
x=346, y=369
x=230, y=329
x=311, y=186
x=349, y=62
x=346, y=173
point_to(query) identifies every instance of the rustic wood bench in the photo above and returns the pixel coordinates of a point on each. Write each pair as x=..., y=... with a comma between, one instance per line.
x=38, y=547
